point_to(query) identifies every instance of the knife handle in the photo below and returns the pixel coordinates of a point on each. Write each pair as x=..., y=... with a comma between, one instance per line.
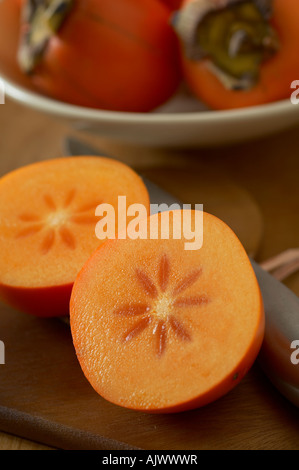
x=283, y=265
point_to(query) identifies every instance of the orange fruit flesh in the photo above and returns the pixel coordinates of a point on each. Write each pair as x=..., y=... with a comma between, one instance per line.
x=161, y=329
x=47, y=220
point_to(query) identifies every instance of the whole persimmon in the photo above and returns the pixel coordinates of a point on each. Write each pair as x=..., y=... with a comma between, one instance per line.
x=94, y=54
x=239, y=53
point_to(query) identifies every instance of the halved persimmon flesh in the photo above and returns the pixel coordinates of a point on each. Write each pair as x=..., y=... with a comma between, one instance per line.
x=47, y=226
x=159, y=328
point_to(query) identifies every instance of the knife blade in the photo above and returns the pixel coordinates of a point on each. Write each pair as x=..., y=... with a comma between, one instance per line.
x=74, y=147
x=278, y=359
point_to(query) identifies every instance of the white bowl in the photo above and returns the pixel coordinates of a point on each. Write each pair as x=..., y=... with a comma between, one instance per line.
x=182, y=122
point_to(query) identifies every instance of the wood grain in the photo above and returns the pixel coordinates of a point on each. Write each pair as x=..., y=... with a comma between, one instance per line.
x=9, y=442
x=44, y=396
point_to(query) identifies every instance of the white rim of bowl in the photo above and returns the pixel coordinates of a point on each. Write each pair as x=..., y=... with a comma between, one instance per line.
x=49, y=105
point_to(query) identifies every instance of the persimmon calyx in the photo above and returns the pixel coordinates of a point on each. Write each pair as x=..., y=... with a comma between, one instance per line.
x=41, y=19
x=234, y=36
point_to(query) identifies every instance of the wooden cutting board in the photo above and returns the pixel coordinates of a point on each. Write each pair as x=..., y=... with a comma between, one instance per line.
x=45, y=397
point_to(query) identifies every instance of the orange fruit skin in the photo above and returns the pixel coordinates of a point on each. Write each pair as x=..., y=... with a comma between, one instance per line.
x=276, y=74
x=79, y=314
x=43, y=302
x=172, y=4
x=118, y=59
x=9, y=40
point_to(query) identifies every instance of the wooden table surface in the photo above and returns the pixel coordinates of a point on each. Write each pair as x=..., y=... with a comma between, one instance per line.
x=254, y=187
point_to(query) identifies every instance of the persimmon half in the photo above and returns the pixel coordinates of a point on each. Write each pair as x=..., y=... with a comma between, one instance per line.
x=239, y=53
x=158, y=328
x=47, y=226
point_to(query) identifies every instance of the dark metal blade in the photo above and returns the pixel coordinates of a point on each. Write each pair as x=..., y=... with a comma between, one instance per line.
x=74, y=147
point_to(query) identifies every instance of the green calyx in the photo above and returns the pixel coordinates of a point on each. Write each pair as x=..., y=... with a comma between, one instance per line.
x=41, y=19
x=237, y=39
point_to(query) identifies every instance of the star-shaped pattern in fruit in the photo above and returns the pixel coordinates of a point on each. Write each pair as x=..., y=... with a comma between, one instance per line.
x=162, y=312
x=55, y=221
